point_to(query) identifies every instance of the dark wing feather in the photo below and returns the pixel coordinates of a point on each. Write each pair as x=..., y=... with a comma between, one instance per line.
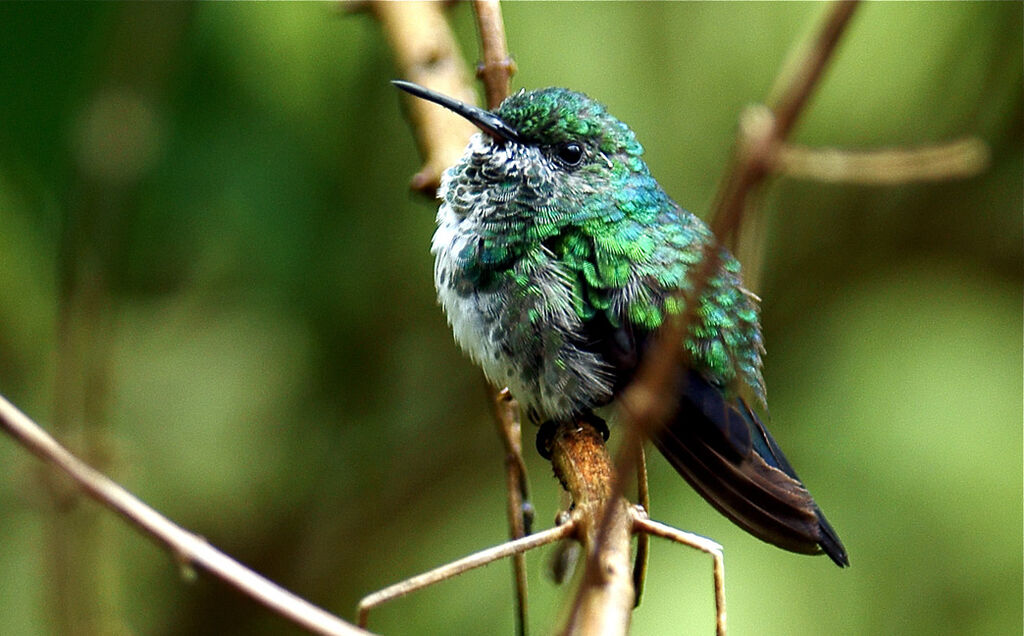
x=721, y=448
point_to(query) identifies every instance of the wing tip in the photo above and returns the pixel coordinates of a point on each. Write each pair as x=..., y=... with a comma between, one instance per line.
x=830, y=543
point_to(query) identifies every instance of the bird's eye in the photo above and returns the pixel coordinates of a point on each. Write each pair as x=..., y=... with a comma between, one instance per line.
x=570, y=153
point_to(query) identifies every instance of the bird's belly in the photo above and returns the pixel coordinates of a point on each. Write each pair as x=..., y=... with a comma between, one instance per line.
x=527, y=341
x=476, y=325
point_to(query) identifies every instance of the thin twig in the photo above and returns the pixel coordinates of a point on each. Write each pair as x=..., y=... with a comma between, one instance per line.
x=956, y=159
x=509, y=431
x=428, y=54
x=495, y=71
x=646, y=526
x=455, y=568
x=187, y=548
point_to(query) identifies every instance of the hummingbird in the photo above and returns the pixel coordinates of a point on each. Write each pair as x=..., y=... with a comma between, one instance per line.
x=557, y=258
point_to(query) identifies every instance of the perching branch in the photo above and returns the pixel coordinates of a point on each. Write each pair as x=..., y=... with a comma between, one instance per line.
x=187, y=549
x=604, y=601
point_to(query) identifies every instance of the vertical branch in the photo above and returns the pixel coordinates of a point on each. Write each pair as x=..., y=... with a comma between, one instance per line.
x=428, y=54
x=519, y=517
x=604, y=601
x=497, y=68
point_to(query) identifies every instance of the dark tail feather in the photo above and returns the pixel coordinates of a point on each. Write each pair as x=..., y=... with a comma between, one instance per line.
x=724, y=452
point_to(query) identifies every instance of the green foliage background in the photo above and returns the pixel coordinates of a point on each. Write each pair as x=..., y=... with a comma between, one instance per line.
x=256, y=349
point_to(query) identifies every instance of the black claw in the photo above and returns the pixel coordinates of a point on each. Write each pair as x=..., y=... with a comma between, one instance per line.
x=545, y=438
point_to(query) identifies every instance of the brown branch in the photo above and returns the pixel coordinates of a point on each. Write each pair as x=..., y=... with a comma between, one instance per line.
x=644, y=400
x=793, y=89
x=427, y=54
x=506, y=417
x=465, y=564
x=497, y=68
x=496, y=71
x=187, y=549
x=605, y=598
x=761, y=137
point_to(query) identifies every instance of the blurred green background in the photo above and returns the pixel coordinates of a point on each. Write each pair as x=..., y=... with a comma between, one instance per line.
x=215, y=285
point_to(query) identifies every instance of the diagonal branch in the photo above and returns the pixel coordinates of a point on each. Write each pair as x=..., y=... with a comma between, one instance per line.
x=187, y=548
x=465, y=564
x=793, y=89
x=647, y=402
x=518, y=509
x=644, y=400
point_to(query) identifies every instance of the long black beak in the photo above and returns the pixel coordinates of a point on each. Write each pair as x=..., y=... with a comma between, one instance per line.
x=485, y=120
